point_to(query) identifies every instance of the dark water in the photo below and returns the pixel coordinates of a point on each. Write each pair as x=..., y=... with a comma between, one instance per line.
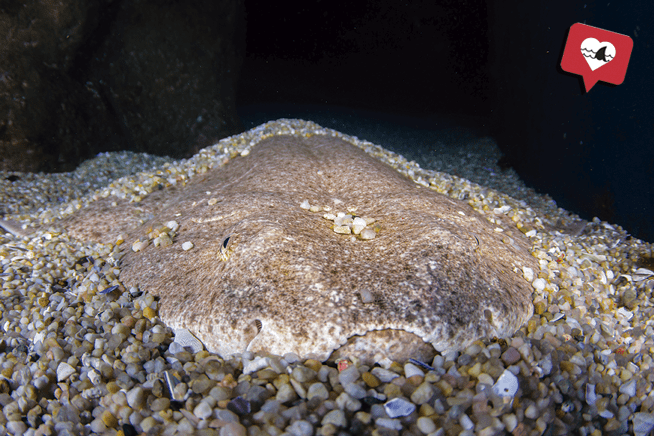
x=411, y=136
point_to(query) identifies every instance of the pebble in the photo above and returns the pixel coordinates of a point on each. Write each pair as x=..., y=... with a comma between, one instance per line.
x=422, y=394
x=300, y=428
x=64, y=370
x=348, y=375
x=398, y=407
x=393, y=424
x=510, y=356
x=336, y=418
x=426, y=425
x=317, y=390
x=203, y=410
x=384, y=375
x=581, y=365
x=411, y=370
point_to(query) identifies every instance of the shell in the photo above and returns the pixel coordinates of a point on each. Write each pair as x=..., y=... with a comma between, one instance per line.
x=506, y=385
x=185, y=338
x=109, y=289
x=399, y=407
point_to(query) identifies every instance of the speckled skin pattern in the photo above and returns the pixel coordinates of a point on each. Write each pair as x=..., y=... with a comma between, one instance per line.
x=439, y=272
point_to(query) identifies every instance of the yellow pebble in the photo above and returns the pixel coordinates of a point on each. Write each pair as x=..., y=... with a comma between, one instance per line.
x=313, y=364
x=475, y=370
x=112, y=387
x=392, y=391
x=533, y=324
x=109, y=420
x=540, y=307
x=149, y=313
x=426, y=410
x=396, y=367
x=370, y=380
x=445, y=387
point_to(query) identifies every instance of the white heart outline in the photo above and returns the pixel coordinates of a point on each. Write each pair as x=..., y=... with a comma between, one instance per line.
x=589, y=49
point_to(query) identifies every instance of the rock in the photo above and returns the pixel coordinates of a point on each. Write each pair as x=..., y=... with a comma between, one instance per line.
x=135, y=398
x=233, y=429
x=317, y=390
x=410, y=370
x=384, y=375
x=393, y=424
x=506, y=385
x=78, y=76
x=303, y=374
x=643, y=423
x=398, y=407
x=426, y=425
x=422, y=394
x=64, y=370
x=286, y=393
x=370, y=380
x=511, y=356
x=628, y=388
x=347, y=402
x=355, y=390
x=348, y=375
x=203, y=410
x=300, y=428
x=336, y=418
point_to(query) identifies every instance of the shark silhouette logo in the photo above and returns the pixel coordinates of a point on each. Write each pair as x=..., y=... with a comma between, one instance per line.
x=596, y=54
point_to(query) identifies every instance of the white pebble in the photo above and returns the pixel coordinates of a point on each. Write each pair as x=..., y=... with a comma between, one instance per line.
x=398, y=407
x=139, y=245
x=258, y=363
x=343, y=230
x=358, y=225
x=300, y=428
x=203, y=410
x=393, y=424
x=16, y=427
x=629, y=388
x=539, y=284
x=172, y=225
x=510, y=421
x=528, y=273
x=305, y=205
x=531, y=412
x=186, y=246
x=348, y=375
x=643, y=423
x=466, y=422
x=366, y=296
x=410, y=370
x=506, y=385
x=426, y=425
x=335, y=417
x=64, y=371
x=367, y=234
x=384, y=375
x=185, y=338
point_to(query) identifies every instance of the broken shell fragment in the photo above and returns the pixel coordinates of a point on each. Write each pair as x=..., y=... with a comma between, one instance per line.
x=506, y=385
x=185, y=338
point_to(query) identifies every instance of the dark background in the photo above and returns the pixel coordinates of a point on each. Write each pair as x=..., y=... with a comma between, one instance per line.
x=488, y=67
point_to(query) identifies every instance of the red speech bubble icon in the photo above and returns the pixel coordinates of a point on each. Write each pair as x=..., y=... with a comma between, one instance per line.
x=596, y=54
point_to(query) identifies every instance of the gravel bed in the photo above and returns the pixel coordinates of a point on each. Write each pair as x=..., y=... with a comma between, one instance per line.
x=80, y=354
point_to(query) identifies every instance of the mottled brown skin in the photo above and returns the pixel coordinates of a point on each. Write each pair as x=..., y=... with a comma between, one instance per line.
x=438, y=271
